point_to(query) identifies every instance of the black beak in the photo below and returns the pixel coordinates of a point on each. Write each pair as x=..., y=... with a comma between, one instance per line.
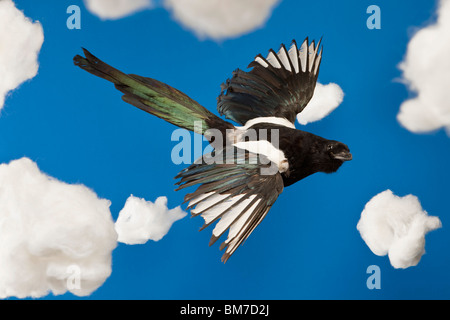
x=344, y=156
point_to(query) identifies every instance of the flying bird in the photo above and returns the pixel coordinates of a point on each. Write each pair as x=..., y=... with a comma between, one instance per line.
x=253, y=160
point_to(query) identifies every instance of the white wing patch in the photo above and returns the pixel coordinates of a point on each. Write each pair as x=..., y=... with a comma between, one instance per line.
x=229, y=219
x=263, y=147
x=205, y=202
x=267, y=149
x=237, y=230
x=236, y=233
x=212, y=206
x=307, y=58
x=273, y=120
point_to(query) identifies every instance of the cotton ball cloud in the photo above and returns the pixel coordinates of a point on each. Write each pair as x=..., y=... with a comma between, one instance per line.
x=55, y=237
x=141, y=220
x=326, y=98
x=426, y=72
x=218, y=19
x=214, y=19
x=396, y=226
x=116, y=9
x=20, y=43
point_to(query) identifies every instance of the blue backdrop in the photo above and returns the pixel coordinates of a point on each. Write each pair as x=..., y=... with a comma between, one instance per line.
x=77, y=129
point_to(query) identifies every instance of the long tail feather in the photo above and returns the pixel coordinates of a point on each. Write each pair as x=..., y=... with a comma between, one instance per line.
x=154, y=97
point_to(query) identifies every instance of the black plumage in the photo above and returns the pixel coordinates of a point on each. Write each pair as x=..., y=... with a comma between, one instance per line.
x=251, y=164
x=268, y=90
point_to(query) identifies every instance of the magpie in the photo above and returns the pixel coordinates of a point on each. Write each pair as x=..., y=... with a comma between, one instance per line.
x=256, y=157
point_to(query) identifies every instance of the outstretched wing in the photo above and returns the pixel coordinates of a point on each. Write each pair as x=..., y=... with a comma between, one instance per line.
x=280, y=85
x=235, y=190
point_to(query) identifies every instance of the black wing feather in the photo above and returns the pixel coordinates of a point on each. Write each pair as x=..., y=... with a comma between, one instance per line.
x=235, y=188
x=269, y=90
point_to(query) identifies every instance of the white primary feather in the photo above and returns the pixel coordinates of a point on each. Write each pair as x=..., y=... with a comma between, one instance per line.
x=211, y=214
x=319, y=57
x=312, y=55
x=230, y=216
x=303, y=51
x=205, y=201
x=283, y=55
x=238, y=225
x=199, y=198
x=217, y=208
x=272, y=59
x=293, y=54
x=233, y=242
x=261, y=62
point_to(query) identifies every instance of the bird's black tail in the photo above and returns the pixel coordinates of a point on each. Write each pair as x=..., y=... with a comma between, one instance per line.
x=154, y=96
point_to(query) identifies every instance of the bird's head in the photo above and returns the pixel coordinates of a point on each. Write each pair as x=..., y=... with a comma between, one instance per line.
x=330, y=155
x=338, y=151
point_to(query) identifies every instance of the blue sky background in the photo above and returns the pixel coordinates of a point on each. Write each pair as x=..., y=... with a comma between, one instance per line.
x=77, y=129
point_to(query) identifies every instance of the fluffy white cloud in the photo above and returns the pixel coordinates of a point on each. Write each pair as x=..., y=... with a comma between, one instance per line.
x=116, y=9
x=396, y=226
x=55, y=237
x=141, y=220
x=20, y=43
x=426, y=71
x=215, y=19
x=326, y=98
x=218, y=19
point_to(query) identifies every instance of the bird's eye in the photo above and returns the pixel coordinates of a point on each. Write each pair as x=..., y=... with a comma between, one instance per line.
x=330, y=147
